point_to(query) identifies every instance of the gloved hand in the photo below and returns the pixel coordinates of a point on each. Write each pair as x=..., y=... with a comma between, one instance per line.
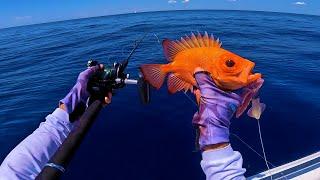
x=216, y=108
x=78, y=95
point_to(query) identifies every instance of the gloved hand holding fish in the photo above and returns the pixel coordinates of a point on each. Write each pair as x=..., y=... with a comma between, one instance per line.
x=216, y=108
x=228, y=71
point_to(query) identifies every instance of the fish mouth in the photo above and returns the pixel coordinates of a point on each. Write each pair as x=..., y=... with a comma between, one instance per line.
x=251, y=75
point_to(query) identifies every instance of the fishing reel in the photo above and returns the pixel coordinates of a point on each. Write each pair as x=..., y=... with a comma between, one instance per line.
x=114, y=77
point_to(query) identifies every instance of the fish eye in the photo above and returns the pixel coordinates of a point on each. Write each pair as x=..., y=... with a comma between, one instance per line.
x=230, y=63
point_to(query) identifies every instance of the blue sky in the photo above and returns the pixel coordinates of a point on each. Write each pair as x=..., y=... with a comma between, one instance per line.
x=23, y=12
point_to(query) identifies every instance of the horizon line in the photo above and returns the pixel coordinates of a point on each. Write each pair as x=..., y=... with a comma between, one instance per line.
x=141, y=12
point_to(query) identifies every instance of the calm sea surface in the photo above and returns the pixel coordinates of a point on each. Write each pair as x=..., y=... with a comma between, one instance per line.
x=40, y=63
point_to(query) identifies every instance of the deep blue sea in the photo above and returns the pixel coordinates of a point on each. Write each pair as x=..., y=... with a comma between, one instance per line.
x=40, y=63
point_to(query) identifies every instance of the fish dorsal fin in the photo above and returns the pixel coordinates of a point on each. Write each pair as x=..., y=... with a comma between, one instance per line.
x=176, y=84
x=172, y=48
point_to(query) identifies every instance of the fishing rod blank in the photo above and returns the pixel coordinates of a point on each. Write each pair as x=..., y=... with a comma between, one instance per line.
x=63, y=155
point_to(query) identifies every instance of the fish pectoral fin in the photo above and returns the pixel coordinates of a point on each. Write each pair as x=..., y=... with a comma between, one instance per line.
x=176, y=84
x=152, y=74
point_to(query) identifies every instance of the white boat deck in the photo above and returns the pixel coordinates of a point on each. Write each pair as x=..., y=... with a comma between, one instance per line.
x=305, y=168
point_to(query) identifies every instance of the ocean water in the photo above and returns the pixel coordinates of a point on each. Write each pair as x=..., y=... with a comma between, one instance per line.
x=40, y=63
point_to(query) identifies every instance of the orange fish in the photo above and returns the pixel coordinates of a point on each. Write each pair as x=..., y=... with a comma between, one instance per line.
x=228, y=70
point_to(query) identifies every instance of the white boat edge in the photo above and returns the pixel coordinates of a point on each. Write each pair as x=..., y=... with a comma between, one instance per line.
x=305, y=168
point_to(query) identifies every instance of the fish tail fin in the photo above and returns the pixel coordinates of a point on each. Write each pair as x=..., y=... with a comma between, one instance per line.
x=153, y=74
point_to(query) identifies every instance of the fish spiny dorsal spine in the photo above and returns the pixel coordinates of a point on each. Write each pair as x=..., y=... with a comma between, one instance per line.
x=200, y=40
x=206, y=39
x=195, y=40
x=172, y=48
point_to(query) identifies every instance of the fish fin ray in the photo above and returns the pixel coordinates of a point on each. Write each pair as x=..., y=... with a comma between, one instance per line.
x=167, y=49
x=185, y=43
x=176, y=84
x=182, y=46
x=212, y=41
x=200, y=40
x=195, y=40
x=206, y=39
x=211, y=38
x=190, y=42
x=153, y=74
x=172, y=48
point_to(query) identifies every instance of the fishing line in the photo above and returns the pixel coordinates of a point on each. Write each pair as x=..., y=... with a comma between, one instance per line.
x=246, y=144
x=250, y=147
x=185, y=93
x=157, y=38
x=262, y=146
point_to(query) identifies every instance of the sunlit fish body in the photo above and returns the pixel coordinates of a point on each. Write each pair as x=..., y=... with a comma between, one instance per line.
x=228, y=70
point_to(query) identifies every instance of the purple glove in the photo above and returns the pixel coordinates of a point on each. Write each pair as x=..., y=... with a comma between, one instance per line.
x=79, y=94
x=216, y=109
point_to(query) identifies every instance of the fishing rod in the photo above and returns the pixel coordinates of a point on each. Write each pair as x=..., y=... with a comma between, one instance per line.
x=100, y=84
x=134, y=49
x=114, y=77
